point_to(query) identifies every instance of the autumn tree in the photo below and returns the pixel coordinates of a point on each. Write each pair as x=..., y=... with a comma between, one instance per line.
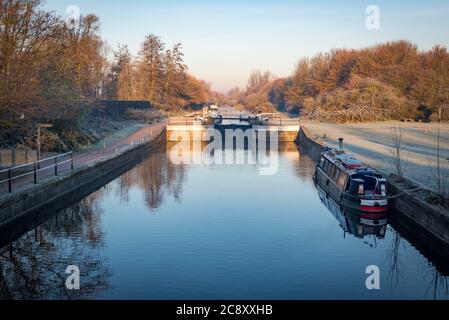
x=122, y=78
x=174, y=72
x=393, y=80
x=151, y=69
x=158, y=75
x=49, y=71
x=24, y=35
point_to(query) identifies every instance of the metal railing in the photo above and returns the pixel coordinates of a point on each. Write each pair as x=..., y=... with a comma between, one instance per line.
x=279, y=121
x=273, y=120
x=181, y=121
x=21, y=172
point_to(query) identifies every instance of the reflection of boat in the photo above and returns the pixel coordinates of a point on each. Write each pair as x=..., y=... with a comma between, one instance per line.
x=352, y=183
x=358, y=225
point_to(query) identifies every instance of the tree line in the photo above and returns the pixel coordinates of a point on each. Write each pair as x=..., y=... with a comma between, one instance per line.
x=54, y=71
x=157, y=75
x=393, y=80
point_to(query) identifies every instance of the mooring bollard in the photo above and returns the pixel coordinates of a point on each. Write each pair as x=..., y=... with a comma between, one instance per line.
x=72, y=166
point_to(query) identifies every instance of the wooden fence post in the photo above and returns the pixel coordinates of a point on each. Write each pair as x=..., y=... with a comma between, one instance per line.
x=35, y=172
x=13, y=157
x=10, y=180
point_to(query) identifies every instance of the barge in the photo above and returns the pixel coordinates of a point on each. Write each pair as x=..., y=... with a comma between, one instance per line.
x=351, y=183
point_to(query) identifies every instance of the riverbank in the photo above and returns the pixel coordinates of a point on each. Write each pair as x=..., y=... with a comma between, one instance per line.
x=373, y=144
x=91, y=170
x=405, y=199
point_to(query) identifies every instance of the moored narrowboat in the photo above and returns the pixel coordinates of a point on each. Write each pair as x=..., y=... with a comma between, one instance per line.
x=353, y=184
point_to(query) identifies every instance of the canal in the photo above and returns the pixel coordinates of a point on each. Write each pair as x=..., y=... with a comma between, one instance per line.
x=166, y=231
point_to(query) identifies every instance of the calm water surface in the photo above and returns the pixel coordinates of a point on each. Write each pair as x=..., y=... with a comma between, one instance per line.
x=163, y=231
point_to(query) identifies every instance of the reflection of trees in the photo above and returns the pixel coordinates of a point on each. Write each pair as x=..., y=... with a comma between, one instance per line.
x=304, y=165
x=33, y=267
x=157, y=177
x=394, y=259
x=438, y=286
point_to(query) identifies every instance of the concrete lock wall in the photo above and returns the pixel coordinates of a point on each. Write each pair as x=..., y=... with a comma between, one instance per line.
x=311, y=146
x=196, y=133
x=86, y=178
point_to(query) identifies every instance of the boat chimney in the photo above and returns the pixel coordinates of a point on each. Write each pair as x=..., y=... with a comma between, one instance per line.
x=341, y=147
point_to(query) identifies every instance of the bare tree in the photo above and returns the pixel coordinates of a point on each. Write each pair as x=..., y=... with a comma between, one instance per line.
x=440, y=177
x=174, y=70
x=257, y=80
x=122, y=75
x=152, y=66
x=397, y=148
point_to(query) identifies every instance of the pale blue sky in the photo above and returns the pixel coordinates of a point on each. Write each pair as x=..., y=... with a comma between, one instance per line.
x=224, y=40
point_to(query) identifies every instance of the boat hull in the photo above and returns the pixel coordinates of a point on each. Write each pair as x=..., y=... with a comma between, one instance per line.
x=369, y=208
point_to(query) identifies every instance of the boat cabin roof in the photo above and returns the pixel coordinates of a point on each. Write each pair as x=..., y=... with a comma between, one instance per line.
x=349, y=164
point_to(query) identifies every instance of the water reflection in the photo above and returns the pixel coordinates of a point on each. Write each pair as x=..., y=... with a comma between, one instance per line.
x=157, y=177
x=353, y=223
x=220, y=232
x=33, y=267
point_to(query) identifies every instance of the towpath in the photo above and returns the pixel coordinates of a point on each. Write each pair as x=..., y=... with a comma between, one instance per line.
x=104, y=148
x=373, y=144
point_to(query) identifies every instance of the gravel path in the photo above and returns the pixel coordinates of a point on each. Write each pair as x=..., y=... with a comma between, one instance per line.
x=373, y=142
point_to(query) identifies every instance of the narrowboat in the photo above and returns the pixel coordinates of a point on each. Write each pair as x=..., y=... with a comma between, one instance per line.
x=351, y=183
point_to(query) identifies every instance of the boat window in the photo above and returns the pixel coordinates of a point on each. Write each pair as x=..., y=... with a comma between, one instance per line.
x=322, y=162
x=361, y=190
x=335, y=173
x=357, y=187
x=382, y=188
x=329, y=169
x=342, y=180
x=370, y=183
x=325, y=165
